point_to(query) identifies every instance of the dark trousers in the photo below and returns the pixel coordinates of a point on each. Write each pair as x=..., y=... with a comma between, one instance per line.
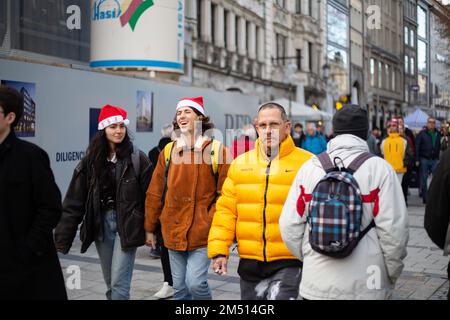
x=165, y=262
x=283, y=285
x=427, y=167
x=405, y=185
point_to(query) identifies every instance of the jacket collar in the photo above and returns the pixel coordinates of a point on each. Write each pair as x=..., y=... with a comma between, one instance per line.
x=394, y=135
x=346, y=146
x=286, y=147
x=198, y=146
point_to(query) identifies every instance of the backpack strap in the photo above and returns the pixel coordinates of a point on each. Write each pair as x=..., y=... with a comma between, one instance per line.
x=167, y=156
x=359, y=160
x=325, y=161
x=367, y=229
x=215, y=155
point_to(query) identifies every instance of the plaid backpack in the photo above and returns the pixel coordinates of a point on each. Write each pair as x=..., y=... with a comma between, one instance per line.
x=336, y=209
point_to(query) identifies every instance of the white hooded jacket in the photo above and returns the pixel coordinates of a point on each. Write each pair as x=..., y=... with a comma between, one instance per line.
x=375, y=264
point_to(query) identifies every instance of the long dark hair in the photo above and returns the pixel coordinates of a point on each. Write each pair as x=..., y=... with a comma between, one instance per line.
x=98, y=151
x=206, y=123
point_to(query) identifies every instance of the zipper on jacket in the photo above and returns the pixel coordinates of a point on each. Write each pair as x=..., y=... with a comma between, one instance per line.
x=264, y=210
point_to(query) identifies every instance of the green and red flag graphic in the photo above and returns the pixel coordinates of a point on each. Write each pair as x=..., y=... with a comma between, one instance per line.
x=133, y=10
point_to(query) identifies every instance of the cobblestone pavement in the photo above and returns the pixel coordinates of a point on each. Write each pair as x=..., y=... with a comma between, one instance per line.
x=424, y=276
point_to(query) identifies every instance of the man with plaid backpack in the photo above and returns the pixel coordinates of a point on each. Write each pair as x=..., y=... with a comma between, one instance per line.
x=346, y=218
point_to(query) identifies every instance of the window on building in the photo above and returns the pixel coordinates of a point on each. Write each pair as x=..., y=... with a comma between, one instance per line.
x=236, y=30
x=225, y=27
x=422, y=22
x=380, y=74
x=387, y=76
x=412, y=39
x=298, y=54
x=310, y=10
x=40, y=27
x=247, y=36
x=282, y=3
x=422, y=56
x=310, y=56
x=3, y=8
x=298, y=6
x=423, y=88
x=393, y=79
x=281, y=48
x=257, y=44
x=372, y=72
x=406, y=35
x=199, y=19
x=412, y=65
x=213, y=23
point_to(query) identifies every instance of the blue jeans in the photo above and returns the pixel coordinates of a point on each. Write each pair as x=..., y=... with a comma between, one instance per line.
x=117, y=264
x=190, y=274
x=427, y=166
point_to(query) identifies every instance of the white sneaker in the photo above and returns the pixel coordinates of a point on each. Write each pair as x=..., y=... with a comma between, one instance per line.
x=165, y=292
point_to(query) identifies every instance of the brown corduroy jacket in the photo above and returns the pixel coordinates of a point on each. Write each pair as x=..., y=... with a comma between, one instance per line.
x=190, y=200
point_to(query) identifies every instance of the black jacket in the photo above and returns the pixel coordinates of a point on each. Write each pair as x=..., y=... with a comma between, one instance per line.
x=424, y=146
x=82, y=205
x=153, y=154
x=30, y=207
x=437, y=212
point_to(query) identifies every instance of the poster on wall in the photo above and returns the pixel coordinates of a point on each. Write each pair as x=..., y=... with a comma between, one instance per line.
x=144, y=111
x=27, y=125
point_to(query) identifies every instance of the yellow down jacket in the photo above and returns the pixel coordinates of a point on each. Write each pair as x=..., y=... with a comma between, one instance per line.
x=249, y=208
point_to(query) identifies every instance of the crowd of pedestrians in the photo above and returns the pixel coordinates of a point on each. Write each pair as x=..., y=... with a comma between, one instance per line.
x=310, y=215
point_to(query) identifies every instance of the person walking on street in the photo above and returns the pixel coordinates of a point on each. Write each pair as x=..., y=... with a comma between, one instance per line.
x=373, y=141
x=245, y=142
x=409, y=160
x=314, y=141
x=161, y=251
x=394, y=149
x=187, y=180
x=437, y=212
x=345, y=216
x=107, y=193
x=30, y=207
x=427, y=149
x=298, y=135
x=249, y=208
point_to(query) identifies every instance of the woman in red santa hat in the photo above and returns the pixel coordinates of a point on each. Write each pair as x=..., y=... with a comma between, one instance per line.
x=107, y=194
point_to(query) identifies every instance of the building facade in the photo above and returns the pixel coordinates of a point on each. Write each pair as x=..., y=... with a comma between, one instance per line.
x=357, y=45
x=411, y=87
x=264, y=48
x=440, y=60
x=384, y=59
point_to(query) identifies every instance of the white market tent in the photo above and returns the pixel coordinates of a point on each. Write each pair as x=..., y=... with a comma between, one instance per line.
x=303, y=112
x=417, y=120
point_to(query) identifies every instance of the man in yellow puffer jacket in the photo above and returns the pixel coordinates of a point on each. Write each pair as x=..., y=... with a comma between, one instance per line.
x=249, y=208
x=394, y=150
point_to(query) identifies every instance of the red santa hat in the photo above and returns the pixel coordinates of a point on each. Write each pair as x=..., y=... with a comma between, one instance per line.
x=195, y=103
x=110, y=115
